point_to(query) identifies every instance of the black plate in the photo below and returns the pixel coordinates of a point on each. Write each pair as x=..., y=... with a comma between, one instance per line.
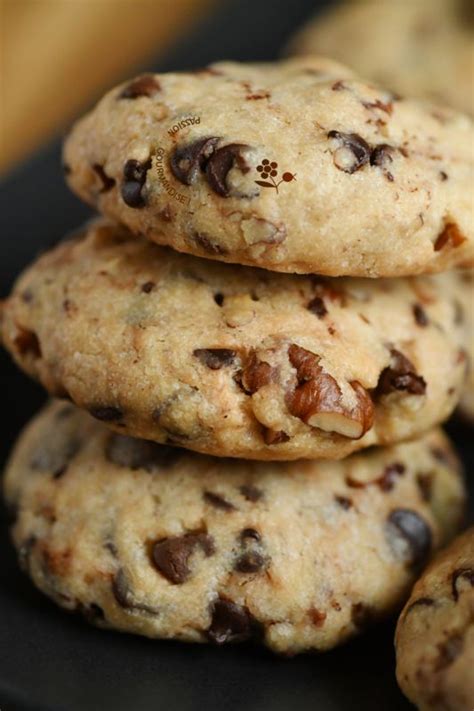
x=51, y=660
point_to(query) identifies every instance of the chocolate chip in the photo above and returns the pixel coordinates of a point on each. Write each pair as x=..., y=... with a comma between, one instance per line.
x=144, y=85
x=124, y=595
x=361, y=615
x=382, y=155
x=171, y=555
x=353, y=153
x=443, y=176
x=219, y=298
x=187, y=161
x=251, y=493
x=148, y=287
x=230, y=622
x=420, y=315
x=250, y=562
x=451, y=236
x=107, y=182
x=134, y=178
x=400, y=375
x=409, y=537
x=343, y=501
x=317, y=307
x=66, y=169
x=425, y=485
x=215, y=358
x=136, y=454
x=449, y=651
x=106, y=414
x=218, y=501
x=220, y=164
x=27, y=342
x=55, y=455
x=461, y=574
x=207, y=244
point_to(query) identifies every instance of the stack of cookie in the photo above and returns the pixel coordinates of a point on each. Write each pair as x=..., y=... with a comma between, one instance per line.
x=253, y=306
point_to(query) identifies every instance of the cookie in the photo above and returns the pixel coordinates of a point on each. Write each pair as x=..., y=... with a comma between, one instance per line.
x=235, y=361
x=422, y=48
x=435, y=633
x=296, y=166
x=466, y=313
x=153, y=540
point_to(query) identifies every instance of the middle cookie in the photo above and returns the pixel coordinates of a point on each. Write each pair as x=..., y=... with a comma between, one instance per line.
x=235, y=361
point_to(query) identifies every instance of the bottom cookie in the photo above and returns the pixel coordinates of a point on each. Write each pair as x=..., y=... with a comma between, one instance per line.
x=435, y=633
x=161, y=542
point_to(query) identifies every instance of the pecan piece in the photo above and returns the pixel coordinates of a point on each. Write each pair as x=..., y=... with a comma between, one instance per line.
x=317, y=400
x=400, y=375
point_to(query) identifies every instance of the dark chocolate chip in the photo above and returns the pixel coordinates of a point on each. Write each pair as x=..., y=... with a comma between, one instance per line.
x=187, y=161
x=136, y=454
x=251, y=492
x=218, y=501
x=134, y=178
x=230, y=622
x=359, y=148
x=144, y=85
x=221, y=162
x=219, y=298
x=148, y=286
x=317, y=307
x=105, y=413
x=466, y=574
x=409, y=537
x=251, y=562
x=107, y=182
x=215, y=358
x=171, y=555
x=382, y=155
x=420, y=315
x=207, y=244
x=400, y=375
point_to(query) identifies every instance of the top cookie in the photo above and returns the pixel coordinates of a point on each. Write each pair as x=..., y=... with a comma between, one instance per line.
x=296, y=166
x=428, y=50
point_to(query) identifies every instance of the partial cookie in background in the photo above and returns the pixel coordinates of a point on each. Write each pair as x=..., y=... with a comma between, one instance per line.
x=159, y=542
x=419, y=48
x=466, y=313
x=435, y=633
x=234, y=361
x=295, y=166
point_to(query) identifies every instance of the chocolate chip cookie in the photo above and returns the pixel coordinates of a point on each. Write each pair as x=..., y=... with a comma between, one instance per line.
x=296, y=166
x=435, y=633
x=235, y=361
x=148, y=539
x=418, y=48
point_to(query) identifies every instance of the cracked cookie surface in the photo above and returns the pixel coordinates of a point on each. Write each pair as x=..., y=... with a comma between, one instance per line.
x=157, y=541
x=435, y=633
x=296, y=166
x=428, y=50
x=234, y=361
